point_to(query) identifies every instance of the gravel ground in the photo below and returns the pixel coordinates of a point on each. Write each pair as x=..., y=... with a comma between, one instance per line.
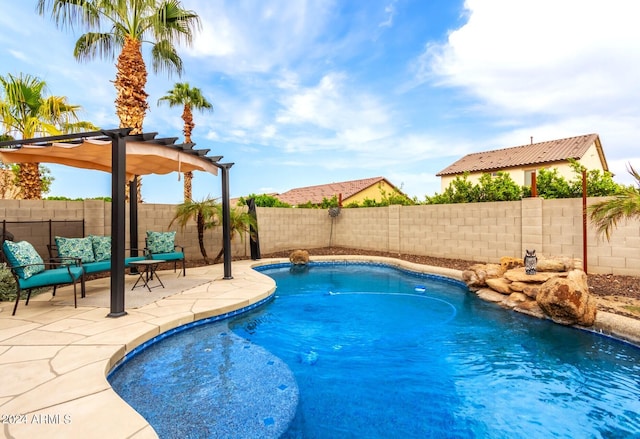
x=616, y=294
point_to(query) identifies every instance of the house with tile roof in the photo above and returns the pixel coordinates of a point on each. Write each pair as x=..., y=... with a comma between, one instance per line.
x=347, y=191
x=521, y=161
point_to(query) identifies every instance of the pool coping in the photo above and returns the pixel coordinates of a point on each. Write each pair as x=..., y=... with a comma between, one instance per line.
x=54, y=360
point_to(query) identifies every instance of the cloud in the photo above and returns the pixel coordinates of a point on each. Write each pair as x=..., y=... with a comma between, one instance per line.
x=390, y=10
x=245, y=36
x=352, y=117
x=540, y=57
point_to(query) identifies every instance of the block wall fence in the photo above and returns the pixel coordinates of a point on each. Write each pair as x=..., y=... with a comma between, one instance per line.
x=482, y=232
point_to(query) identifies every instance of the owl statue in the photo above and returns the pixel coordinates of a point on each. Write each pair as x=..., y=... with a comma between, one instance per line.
x=530, y=261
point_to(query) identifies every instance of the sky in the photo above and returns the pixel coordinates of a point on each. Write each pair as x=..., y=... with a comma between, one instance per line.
x=308, y=92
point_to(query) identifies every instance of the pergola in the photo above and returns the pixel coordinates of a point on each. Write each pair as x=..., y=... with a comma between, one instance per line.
x=126, y=156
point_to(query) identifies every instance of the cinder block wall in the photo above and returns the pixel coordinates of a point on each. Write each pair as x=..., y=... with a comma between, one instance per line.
x=482, y=232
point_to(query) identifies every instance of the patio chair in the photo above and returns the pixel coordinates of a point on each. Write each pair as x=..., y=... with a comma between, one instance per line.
x=29, y=271
x=162, y=246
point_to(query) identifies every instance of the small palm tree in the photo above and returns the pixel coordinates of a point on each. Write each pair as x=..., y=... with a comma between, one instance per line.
x=240, y=222
x=606, y=214
x=189, y=98
x=25, y=113
x=203, y=212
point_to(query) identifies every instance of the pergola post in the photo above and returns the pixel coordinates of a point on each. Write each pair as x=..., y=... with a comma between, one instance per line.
x=118, y=186
x=226, y=218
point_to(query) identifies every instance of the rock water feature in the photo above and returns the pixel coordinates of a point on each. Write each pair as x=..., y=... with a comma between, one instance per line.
x=558, y=290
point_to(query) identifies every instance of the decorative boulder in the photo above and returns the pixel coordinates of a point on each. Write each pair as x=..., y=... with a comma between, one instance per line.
x=507, y=263
x=476, y=276
x=567, y=300
x=299, y=257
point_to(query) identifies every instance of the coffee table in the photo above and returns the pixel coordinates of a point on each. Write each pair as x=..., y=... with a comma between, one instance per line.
x=146, y=271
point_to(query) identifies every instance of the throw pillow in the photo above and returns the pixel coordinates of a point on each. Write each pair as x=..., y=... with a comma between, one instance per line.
x=23, y=253
x=101, y=247
x=161, y=242
x=75, y=248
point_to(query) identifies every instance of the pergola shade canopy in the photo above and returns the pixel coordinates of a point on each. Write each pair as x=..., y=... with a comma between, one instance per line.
x=144, y=155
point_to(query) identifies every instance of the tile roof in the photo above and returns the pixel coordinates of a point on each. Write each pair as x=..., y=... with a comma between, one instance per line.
x=535, y=153
x=315, y=194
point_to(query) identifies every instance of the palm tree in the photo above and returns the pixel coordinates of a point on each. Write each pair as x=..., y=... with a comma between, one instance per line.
x=204, y=212
x=606, y=214
x=129, y=23
x=189, y=98
x=240, y=222
x=25, y=113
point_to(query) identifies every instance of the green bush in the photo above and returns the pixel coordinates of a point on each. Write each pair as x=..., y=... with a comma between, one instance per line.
x=7, y=285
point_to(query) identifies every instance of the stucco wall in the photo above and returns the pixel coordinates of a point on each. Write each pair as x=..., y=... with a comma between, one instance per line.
x=481, y=232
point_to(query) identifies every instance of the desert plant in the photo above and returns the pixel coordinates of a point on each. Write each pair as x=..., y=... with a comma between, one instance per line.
x=205, y=214
x=625, y=205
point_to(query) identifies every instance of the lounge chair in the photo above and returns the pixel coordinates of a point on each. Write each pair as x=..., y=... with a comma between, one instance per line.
x=162, y=246
x=29, y=271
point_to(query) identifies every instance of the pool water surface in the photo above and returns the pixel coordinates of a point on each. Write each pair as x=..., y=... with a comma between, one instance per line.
x=363, y=350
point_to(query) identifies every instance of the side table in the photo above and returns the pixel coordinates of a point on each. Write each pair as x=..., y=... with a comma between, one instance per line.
x=146, y=272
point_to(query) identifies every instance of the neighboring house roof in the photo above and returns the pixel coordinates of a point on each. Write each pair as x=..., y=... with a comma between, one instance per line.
x=315, y=194
x=527, y=155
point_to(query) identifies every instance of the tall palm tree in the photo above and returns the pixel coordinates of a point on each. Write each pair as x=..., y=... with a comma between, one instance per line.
x=122, y=26
x=606, y=214
x=204, y=212
x=25, y=112
x=189, y=98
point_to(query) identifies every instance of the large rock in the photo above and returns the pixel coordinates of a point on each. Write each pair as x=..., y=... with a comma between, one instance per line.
x=566, y=300
x=507, y=263
x=299, y=257
x=554, y=264
x=519, y=275
x=476, y=276
x=499, y=284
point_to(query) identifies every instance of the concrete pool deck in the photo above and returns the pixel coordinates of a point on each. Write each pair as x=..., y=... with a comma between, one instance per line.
x=54, y=358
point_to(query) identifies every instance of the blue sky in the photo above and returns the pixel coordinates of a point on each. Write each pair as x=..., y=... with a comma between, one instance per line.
x=319, y=91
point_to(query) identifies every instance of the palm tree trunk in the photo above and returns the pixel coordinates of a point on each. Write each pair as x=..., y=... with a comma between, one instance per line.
x=187, y=117
x=200, y=227
x=131, y=79
x=188, y=185
x=30, y=182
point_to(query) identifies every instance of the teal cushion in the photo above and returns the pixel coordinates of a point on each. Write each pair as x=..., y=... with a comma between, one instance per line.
x=101, y=247
x=75, y=248
x=55, y=276
x=173, y=256
x=23, y=253
x=161, y=242
x=97, y=267
x=132, y=259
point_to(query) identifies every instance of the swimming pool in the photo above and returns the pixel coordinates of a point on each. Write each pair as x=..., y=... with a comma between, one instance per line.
x=362, y=350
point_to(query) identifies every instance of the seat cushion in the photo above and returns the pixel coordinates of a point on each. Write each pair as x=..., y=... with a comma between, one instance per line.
x=133, y=258
x=101, y=247
x=97, y=267
x=160, y=242
x=75, y=248
x=54, y=276
x=23, y=253
x=172, y=256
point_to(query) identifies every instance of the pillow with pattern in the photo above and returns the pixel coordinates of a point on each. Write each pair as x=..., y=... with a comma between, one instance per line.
x=23, y=253
x=101, y=247
x=161, y=242
x=75, y=248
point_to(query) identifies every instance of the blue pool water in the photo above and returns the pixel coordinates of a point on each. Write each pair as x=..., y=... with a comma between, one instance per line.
x=367, y=351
